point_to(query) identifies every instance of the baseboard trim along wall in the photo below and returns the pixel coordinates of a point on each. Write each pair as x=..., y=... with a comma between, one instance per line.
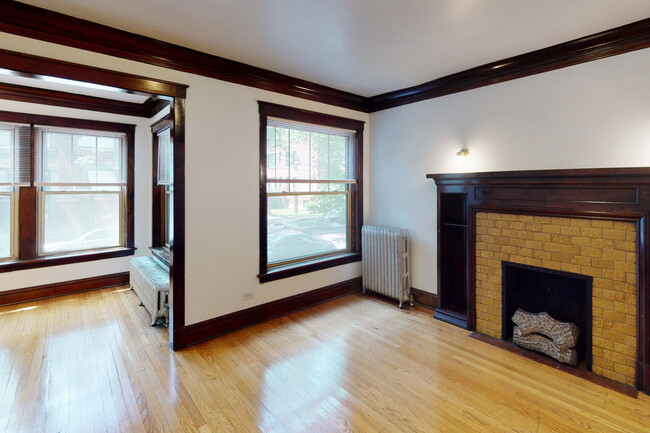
x=63, y=288
x=202, y=331
x=425, y=299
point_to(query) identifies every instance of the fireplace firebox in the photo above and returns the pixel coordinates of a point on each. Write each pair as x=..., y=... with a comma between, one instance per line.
x=565, y=296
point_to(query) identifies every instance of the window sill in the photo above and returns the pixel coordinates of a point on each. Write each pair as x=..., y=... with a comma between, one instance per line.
x=294, y=269
x=64, y=259
x=162, y=254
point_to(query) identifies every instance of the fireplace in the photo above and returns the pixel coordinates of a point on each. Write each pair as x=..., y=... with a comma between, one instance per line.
x=593, y=222
x=564, y=295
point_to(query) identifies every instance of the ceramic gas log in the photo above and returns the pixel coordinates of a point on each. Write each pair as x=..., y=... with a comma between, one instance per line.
x=542, y=333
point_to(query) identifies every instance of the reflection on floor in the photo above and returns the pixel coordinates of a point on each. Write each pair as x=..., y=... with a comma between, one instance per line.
x=90, y=363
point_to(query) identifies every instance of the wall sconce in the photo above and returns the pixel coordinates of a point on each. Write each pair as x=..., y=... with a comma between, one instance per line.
x=462, y=154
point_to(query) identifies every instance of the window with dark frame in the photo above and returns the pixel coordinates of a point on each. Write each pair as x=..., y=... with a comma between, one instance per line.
x=163, y=189
x=310, y=191
x=66, y=190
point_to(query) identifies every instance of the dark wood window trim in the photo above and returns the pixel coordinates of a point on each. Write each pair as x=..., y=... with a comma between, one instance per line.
x=274, y=110
x=28, y=257
x=72, y=100
x=159, y=245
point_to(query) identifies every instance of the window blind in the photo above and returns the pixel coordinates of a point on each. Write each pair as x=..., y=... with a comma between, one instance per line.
x=165, y=157
x=300, y=151
x=14, y=155
x=308, y=127
x=66, y=157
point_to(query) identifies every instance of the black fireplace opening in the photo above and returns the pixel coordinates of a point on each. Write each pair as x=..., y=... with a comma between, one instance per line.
x=566, y=296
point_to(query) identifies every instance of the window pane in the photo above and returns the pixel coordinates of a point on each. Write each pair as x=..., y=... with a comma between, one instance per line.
x=337, y=159
x=109, y=160
x=5, y=226
x=84, y=159
x=320, y=156
x=6, y=156
x=81, y=158
x=80, y=221
x=165, y=157
x=169, y=215
x=306, y=225
x=299, y=154
x=278, y=152
x=57, y=164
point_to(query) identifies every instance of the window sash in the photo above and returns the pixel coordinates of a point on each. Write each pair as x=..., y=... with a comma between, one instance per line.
x=165, y=157
x=19, y=167
x=43, y=193
x=169, y=215
x=348, y=229
x=281, y=156
x=43, y=137
x=13, y=224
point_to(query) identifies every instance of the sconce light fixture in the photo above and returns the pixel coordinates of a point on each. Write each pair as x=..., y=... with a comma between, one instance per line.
x=461, y=154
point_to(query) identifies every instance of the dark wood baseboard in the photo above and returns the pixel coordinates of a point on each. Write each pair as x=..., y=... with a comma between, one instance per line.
x=452, y=317
x=63, y=288
x=643, y=377
x=425, y=299
x=202, y=331
x=543, y=359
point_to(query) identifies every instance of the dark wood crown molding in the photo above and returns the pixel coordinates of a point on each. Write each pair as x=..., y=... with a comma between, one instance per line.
x=620, y=40
x=38, y=23
x=72, y=100
x=34, y=22
x=35, y=65
x=155, y=105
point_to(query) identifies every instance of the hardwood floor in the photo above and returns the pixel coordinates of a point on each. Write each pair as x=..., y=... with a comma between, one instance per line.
x=90, y=363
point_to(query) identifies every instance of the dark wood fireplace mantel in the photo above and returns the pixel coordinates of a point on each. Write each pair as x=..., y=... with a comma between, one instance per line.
x=620, y=194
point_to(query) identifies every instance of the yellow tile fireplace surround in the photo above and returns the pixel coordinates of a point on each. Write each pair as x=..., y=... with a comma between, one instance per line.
x=602, y=249
x=592, y=222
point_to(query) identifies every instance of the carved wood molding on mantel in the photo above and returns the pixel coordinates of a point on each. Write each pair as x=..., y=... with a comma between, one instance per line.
x=608, y=193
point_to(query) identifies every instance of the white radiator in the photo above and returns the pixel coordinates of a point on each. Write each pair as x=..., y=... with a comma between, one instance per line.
x=150, y=281
x=385, y=262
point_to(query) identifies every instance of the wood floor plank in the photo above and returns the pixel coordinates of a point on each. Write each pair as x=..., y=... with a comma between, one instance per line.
x=91, y=363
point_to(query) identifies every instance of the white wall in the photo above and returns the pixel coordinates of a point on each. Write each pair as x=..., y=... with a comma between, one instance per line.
x=222, y=201
x=592, y=115
x=142, y=207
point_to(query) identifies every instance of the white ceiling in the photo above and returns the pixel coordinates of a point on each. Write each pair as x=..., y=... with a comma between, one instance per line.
x=366, y=47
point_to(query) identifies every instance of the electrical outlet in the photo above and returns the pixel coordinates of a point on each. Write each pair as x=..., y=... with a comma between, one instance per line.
x=247, y=296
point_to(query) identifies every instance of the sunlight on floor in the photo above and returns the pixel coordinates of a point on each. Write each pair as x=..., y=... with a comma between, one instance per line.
x=322, y=368
x=19, y=310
